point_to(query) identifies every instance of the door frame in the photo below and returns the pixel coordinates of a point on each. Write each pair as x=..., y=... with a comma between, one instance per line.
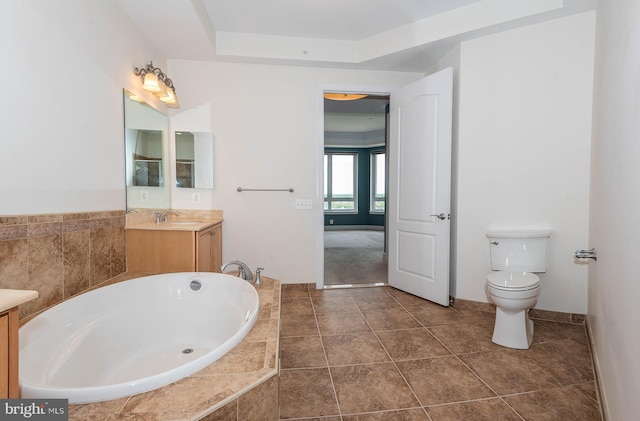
x=346, y=88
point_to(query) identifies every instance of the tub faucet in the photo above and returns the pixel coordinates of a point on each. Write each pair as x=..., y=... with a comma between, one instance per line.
x=164, y=216
x=243, y=270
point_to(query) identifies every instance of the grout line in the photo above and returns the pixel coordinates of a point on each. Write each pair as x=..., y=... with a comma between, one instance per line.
x=459, y=359
x=511, y=407
x=391, y=358
x=497, y=395
x=326, y=360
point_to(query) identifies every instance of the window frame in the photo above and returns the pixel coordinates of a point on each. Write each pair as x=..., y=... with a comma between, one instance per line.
x=373, y=172
x=328, y=194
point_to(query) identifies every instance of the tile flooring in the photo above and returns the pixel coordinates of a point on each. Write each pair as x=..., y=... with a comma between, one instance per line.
x=381, y=354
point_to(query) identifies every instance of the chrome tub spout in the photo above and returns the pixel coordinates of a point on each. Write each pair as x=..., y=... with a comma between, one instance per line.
x=243, y=270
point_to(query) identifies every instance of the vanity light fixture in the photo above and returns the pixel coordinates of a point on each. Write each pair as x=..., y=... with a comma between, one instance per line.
x=343, y=97
x=155, y=81
x=136, y=98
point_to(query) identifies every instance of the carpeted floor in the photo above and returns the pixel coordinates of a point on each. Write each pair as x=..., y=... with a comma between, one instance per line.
x=354, y=257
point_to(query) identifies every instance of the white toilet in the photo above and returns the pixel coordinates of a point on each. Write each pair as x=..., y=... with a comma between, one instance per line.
x=513, y=287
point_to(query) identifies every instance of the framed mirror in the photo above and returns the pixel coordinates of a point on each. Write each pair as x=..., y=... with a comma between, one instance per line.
x=194, y=160
x=146, y=150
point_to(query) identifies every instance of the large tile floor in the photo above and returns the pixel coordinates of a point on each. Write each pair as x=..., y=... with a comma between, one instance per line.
x=382, y=354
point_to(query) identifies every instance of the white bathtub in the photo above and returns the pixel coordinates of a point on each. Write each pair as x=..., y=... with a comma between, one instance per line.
x=134, y=336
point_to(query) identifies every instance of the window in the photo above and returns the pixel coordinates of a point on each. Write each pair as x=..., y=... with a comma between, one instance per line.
x=340, y=182
x=378, y=184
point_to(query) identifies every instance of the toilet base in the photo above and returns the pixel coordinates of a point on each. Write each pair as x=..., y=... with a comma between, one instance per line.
x=513, y=329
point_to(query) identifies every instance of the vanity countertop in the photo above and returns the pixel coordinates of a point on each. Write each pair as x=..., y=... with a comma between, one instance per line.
x=178, y=225
x=10, y=298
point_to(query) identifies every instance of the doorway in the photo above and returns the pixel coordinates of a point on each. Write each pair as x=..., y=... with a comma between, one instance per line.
x=418, y=208
x=355, y=185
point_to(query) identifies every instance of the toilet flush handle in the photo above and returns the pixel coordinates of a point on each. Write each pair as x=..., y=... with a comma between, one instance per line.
x=495, y=243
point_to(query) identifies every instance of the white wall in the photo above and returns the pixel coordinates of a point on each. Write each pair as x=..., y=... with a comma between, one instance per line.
x=266, y=125
x=614, y=287
x=65, y=64
x=523, y=150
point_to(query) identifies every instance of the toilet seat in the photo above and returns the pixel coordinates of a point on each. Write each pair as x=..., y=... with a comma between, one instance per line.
x=513, y=281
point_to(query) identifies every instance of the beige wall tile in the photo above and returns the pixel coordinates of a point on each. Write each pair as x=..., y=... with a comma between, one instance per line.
x=45, y=270
x=60, y=255
x=118, y=250
x=13, y=264
x=100, y=255
x=77, y=258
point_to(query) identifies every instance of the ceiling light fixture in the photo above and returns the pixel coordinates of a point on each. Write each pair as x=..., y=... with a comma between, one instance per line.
x=155, y=81
x=343, y=97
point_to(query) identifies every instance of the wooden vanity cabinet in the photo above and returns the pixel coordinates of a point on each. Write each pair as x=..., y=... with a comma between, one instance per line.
x=163, y=251
x=209, y=249
x=9, y=354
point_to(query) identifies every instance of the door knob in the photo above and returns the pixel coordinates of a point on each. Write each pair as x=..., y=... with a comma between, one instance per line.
x=441, y=216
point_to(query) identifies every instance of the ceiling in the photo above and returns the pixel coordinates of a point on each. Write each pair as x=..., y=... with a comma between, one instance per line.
x=391, y=35
x=395, y=35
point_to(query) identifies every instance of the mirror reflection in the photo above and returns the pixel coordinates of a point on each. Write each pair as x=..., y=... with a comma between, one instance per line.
x=194, y=160
x=146, y=149
x=147, y=158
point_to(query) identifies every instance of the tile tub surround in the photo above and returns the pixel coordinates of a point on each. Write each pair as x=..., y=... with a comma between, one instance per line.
x=379, y=354
x=243, y=384
x=60, y=255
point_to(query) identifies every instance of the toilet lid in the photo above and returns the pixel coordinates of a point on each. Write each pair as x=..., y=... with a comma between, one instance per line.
x=513, y=280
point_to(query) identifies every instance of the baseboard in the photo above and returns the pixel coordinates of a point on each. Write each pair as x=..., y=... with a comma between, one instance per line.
x=552, y=316
x=596, y=372
x=353, y=227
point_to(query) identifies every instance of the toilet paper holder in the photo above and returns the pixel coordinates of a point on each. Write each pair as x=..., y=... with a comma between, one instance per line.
x=586, y=254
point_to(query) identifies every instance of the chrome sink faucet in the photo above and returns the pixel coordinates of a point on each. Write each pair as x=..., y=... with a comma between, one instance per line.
x=164, y=216
x=243, y=270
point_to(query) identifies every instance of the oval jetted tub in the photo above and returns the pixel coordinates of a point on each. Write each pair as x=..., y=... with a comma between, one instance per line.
x=134, y=336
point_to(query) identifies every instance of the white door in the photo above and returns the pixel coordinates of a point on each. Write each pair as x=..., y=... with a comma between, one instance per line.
x=420, y=187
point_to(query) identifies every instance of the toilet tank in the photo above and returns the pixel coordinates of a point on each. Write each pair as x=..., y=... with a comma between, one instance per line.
x=518, y=249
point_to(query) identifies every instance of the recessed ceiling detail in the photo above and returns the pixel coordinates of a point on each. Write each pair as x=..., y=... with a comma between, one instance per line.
x=402, y=35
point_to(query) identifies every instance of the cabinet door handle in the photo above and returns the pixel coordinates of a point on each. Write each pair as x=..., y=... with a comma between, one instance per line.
x=213, y=233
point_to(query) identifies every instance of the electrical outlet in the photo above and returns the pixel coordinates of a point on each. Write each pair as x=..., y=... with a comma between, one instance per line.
x=195, y=197
x=330, y=221
x=303, y=203
x=144, y=195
